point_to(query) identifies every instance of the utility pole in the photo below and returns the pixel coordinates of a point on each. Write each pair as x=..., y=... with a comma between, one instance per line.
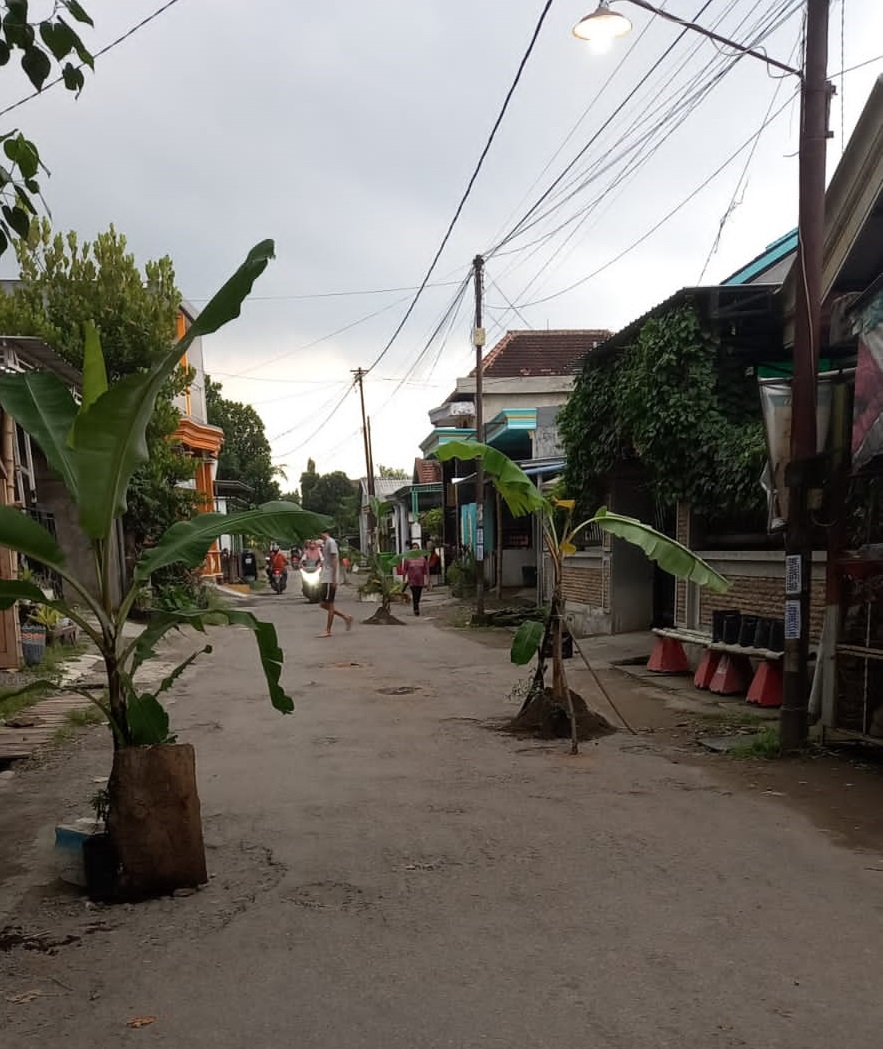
x=359, y=374
x=814, y=102
x=478, y=340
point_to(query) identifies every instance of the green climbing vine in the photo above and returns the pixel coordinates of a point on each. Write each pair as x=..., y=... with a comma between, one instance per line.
x=674, y=403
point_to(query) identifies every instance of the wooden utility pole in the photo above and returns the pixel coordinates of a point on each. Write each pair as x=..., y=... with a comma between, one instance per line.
x=478, y=340
x=814, y=100
x=359, y=374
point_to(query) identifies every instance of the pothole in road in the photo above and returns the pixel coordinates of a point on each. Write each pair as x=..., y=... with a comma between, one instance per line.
x=400, y=690
x=325, y=895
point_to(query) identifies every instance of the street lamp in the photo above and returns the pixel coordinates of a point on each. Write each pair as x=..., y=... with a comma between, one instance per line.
x=601, y=27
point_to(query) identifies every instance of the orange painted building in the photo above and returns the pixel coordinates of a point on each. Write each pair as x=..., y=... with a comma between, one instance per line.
x=194, y=433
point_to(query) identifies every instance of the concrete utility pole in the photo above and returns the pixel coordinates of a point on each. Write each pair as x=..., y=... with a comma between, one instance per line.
x=359, y=374
x=814, y=103
x=478, y=340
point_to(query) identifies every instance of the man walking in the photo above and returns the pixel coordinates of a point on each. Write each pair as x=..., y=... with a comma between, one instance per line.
x=330, y=578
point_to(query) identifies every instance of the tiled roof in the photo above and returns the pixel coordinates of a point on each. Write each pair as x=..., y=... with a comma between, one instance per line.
x=531, y=353
x=427, y=471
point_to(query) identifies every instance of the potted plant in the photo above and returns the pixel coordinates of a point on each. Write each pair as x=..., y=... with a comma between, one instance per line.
x=153, y=814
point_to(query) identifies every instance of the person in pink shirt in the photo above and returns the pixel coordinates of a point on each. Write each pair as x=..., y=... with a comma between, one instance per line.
x=416, y=572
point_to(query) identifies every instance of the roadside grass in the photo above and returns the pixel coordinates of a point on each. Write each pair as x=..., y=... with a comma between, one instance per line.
x=50, y=669
x=766, y=744
x=74, y=720
x=738, y=718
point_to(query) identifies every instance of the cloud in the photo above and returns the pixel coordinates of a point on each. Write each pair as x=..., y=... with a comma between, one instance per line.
x=348, y=131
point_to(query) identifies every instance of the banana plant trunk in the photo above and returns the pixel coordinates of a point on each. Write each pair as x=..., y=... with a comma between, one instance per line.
x=560, y=686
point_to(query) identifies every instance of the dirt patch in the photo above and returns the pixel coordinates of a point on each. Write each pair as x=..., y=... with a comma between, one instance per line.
x=383, y=617
x=545, y=717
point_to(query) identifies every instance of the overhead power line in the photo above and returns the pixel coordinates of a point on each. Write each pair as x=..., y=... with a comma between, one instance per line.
x=469, y=186
x=98, y=54
x=670, y=214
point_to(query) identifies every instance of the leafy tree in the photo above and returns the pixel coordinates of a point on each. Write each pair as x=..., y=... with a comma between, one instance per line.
x=65, y=285
x=332, y=494
x=308, y=481
x=48, y=43
x=393, y=472
x=245, y=455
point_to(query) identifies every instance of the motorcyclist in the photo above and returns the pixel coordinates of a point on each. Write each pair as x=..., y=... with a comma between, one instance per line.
x=278, y=564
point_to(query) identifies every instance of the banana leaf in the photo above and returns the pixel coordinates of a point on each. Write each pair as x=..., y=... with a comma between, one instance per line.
x=516, y=489
x=94, y=368
x=12, y=590
x=108, y=436
x=526, y=641
x=23, y=534
x=667, y=553
x=188, y=542
x=44, y=407
x=265, y=634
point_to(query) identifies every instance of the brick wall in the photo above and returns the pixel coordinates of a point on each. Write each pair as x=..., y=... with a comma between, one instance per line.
x=762, y=596
x=582, y=584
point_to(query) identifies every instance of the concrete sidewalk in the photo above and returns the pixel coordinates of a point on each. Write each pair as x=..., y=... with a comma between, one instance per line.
x=389, y=872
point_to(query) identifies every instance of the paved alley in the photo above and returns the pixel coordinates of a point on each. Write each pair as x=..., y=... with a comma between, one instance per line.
x=389, y=872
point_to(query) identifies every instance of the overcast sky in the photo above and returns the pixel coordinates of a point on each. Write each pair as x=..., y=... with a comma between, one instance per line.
x=347, y=131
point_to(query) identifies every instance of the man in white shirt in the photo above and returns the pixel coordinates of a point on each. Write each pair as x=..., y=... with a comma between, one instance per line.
x=330, y=578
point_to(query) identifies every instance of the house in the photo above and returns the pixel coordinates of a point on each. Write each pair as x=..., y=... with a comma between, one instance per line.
x=424, y=493
x=386, y=528
x=194, y=434
x=526, y=377
x=750, y=316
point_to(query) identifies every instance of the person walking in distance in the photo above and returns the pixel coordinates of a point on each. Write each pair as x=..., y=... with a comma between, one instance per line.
x=330, y=578
x=417, y=577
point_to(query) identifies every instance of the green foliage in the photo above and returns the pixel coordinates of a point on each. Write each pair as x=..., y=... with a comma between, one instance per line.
x=764, y=744
x=67, y=288
x=462, y=575
x=246, y=454
x=393, y=473
x=670, y=555
x=675, y=403
x=382, y=579
x=518, y=491
x=41, y=46
x=333, y=495
x=526, y=641
x=432, y=521
x=103, y=449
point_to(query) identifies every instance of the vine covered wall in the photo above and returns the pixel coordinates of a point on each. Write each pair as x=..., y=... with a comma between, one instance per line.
x=676, y=404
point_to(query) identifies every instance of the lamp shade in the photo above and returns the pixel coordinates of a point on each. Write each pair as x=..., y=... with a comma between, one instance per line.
x=602, y=26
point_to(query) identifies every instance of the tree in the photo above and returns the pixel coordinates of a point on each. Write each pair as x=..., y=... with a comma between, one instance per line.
x=246, y=454
x=95, y=448
x=47, y=42
x=333, y=494
x=393, y=472
x=523, y=497
x=64, y=285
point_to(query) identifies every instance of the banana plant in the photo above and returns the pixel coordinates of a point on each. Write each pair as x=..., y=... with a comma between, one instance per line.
x=522, y=496
x=382, y=581
x=95, y=447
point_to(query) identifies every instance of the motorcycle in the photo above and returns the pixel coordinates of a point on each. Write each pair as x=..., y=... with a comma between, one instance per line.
x=278, y=581
x=311, y=582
